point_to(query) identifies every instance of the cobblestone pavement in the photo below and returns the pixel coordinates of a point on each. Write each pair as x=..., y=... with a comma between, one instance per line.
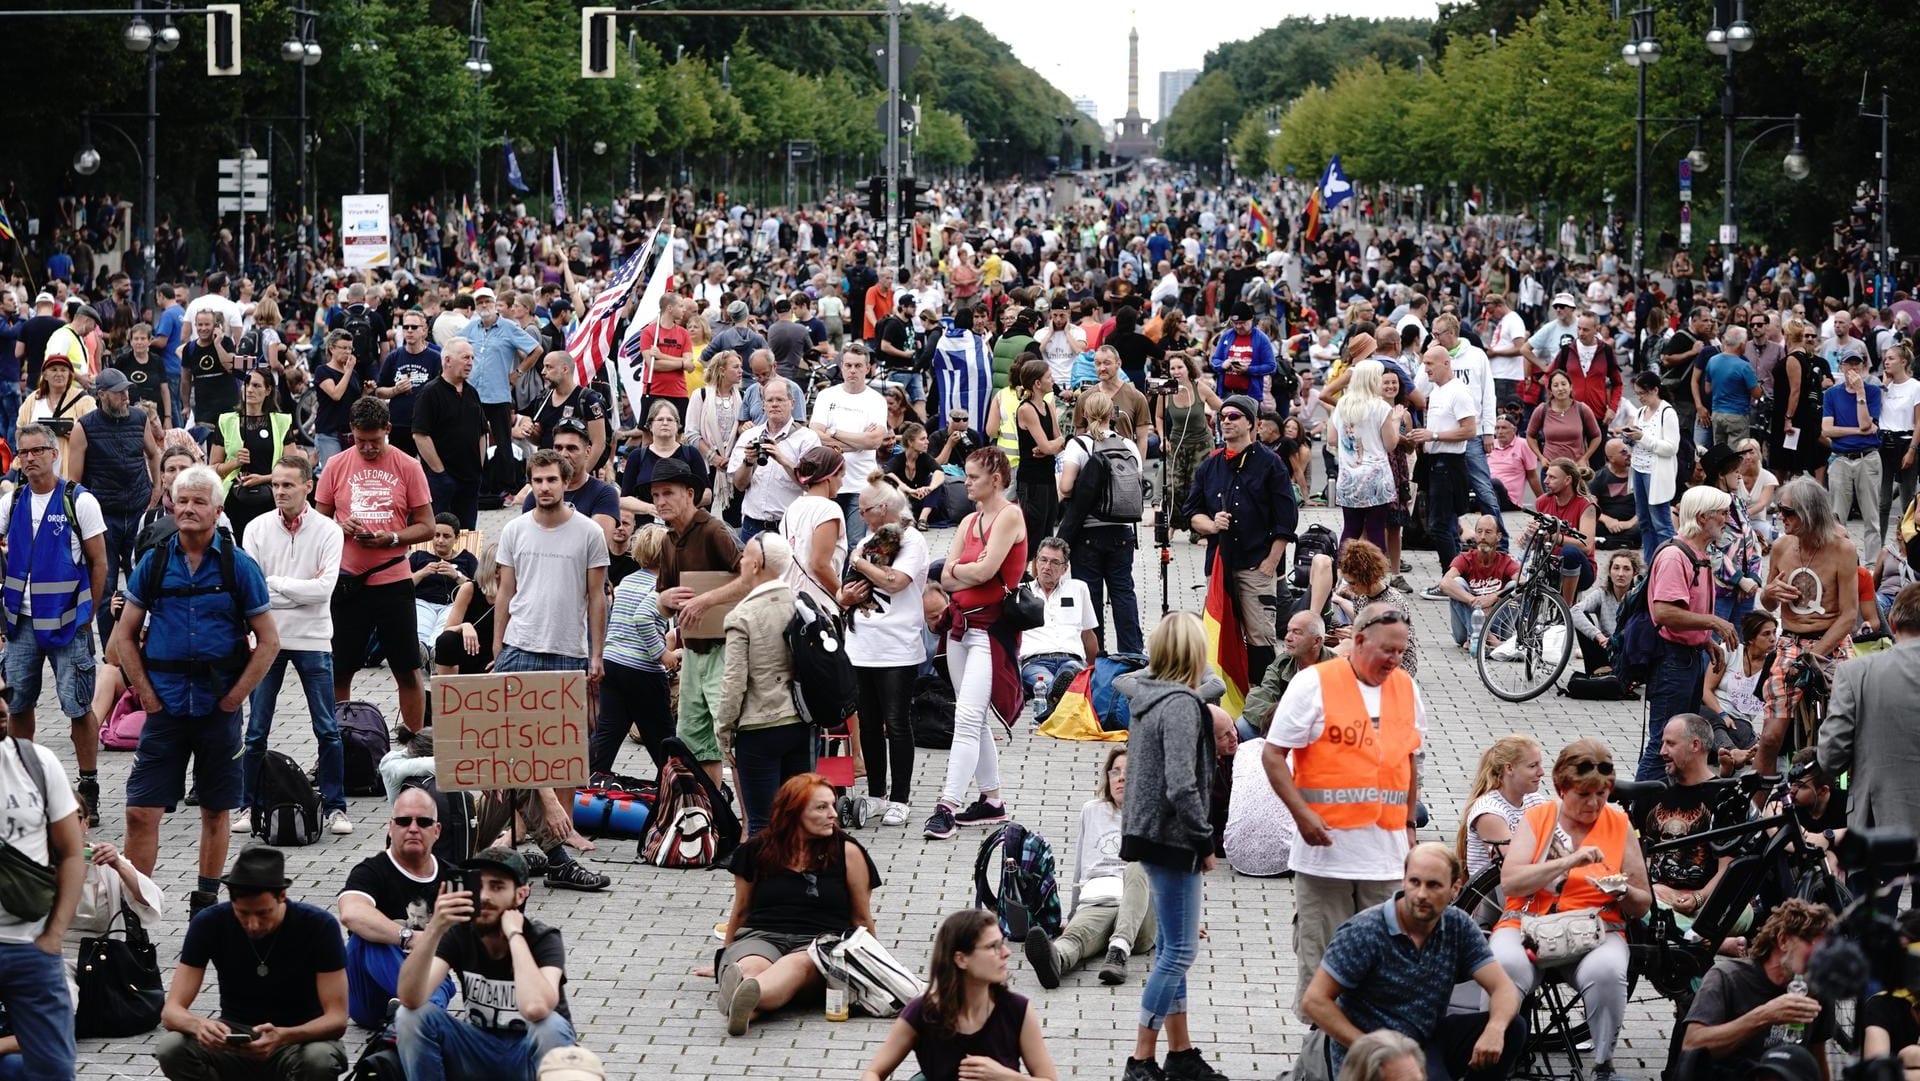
x=631, y=950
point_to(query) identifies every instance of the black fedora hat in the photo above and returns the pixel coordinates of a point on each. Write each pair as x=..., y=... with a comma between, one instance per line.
x=258, y=867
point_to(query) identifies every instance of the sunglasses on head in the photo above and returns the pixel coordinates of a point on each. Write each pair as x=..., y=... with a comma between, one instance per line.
x=1391, y=615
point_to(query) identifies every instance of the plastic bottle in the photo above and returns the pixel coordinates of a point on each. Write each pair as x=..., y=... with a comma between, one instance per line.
x=836, y=994
x=1791, y=1031
x=1479, y=622
x=1040, y=683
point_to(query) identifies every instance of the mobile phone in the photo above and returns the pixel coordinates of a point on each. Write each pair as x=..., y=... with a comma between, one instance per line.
x=470, y=881
x=242, y=1034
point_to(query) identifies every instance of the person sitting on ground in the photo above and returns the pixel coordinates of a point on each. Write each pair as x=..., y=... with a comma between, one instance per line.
x=388, y=899
x=1306, y=645
x=1577, y=853
x=1741, y=999
x=438, y=573
x=1733, y=697
x=1064, y=643
x=1596, y=615
x=1612, y=492
x=1111, y=913
x=1683, y=878
x=283, y=982
x=799, y=878
x=1258, y=836
x=967, y=1024
x=512, y=973
x=465, y=647
x=1384, y=1055
x=1506, y=785
x=1395, y=965
x=1366, y=581
x=1478, y=579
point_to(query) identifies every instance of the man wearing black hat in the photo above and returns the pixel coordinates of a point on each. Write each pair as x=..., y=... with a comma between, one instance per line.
x=512, y=973
x=1243, y=358
x=697, y=542
x=283, y=984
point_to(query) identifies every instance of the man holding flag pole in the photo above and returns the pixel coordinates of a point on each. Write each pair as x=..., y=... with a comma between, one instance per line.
x=1241, y=500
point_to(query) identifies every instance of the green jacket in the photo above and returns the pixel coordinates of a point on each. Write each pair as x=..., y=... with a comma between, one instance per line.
x=1264, y=699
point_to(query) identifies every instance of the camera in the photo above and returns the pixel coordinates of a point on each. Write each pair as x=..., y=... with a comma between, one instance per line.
x=762, y=451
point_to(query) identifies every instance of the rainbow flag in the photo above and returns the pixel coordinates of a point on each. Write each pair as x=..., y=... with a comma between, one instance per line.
x=6, y=227
x=1262, y=228
x=466, y=214
x=1226, y=647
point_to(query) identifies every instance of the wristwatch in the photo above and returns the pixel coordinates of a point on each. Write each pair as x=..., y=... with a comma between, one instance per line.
x=406, y=938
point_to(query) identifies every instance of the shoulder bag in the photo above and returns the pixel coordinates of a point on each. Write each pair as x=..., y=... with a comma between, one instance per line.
x=27, y=886
x=119, y=979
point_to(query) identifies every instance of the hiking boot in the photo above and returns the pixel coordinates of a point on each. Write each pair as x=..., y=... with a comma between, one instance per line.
x=1042, y=958
x=536, y=862
x=1142, y=1069
x=982, y=813
x=89, y=788
x=200, y=899
x=1113, y=971
x=339, y=824
x=242, y=821
x=1189, y=1066
x=574, y=875
x=941, y=824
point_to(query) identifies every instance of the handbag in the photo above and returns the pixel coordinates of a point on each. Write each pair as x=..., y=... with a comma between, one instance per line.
x=879, y=985
x=1560, y=938
x=27, y=886
x=119, y=979
x=1024, y=608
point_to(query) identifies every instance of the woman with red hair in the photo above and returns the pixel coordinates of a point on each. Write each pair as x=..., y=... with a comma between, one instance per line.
x=799, y=878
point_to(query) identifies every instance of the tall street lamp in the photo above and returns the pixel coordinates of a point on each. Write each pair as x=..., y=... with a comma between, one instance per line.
x=1736, y=37
x=367, y=44
x=479, y=66
x=141, y=36
x=1641, y=51
x=301, y=49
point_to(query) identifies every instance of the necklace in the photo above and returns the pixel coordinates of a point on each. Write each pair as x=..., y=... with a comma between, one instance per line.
x=260, y=968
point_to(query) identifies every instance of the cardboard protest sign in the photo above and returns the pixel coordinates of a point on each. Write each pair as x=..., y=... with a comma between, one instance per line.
x=510, y=730
x=713, y=622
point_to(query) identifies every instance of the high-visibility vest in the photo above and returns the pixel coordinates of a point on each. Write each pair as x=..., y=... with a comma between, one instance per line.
x=1008, y=437
x=1578, y=894
x=1358, y=773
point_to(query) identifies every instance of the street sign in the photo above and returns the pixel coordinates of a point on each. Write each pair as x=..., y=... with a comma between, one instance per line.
x=1729, y=233
x=801, y=151
x=248, y=167
x=246, y=178
x=235, y=204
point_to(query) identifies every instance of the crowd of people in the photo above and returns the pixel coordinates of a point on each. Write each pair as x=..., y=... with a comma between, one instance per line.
x=220, y=479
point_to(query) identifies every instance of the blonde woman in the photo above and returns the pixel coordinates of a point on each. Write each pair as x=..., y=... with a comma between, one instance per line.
x=1505, y=784
x=713, y=420
x=1364, y=430
x=466, y=647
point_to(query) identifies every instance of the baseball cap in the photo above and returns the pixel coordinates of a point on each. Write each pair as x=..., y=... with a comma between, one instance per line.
x=1788, y=1062
x=1853, y=358
x=111, y=379
x=571, y=1064
x=44, y=298
x=1564, y=300
x=560, y=304
x=505, y=860
x=483, y=293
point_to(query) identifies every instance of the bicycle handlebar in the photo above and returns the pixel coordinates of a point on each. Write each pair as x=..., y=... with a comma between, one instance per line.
x=1557, y=524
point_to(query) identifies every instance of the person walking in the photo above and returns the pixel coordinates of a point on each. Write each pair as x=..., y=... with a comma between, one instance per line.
x=116, y=456
x=1171, y=754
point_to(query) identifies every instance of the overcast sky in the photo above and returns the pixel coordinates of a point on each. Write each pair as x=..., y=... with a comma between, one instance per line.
x=1081, y=45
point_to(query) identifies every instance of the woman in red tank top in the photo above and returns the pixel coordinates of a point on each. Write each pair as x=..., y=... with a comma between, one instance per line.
x=982, y=655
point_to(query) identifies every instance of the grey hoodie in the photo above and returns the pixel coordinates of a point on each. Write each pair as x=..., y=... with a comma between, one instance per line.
x=1170, y=763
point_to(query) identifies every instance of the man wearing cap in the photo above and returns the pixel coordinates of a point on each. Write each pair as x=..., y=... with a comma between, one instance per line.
x=1241, y=500
x=404, y=372
x=1730, y=1025
x=769, y=483
x=1850, y=420
x=580, y=1064
x=512, y=975
x=559, y=324
x=114, y=451
x=499, y=345
x=697, y=541
x=283, y=981
x=1243, y=358
x=1556, y=333
x=56, y=579
x=738, y=335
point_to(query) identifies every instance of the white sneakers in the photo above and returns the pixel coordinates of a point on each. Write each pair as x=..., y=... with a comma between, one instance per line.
x=339, y=824
x=243, y=821
x=895, y=814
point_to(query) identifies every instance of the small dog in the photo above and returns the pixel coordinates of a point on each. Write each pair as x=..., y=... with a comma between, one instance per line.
x=880, y=548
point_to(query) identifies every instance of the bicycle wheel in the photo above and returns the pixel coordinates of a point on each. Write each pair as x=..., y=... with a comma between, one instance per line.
x=1525, y=644
x=1480, y=897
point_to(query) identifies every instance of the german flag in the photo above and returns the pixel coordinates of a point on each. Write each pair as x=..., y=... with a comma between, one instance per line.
x=1226, y=647
x=1311, y=230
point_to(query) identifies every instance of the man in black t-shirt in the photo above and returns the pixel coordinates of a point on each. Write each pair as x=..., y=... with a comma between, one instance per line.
x=1612, y=491
x=386, y=904
x=206, y=371
x=403, y=373
x=1730, y=1025
x=512, y=973
x=146, y=371
x=1683, y=878
x=282, y=979
x=566, y=399
x=31, y=343
x=450, y=435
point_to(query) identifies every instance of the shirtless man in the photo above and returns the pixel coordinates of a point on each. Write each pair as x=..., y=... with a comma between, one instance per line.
x=1811, y=584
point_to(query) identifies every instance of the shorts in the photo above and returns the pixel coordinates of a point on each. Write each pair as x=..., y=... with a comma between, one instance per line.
x=914, y=383
x=73, y=667
x=159, y=776
x=1781, y=696
x=361, y=612
x=749, y=942
x=701, y=678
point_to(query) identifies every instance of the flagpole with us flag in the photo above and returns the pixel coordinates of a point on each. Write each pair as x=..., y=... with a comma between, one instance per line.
x=592, y=338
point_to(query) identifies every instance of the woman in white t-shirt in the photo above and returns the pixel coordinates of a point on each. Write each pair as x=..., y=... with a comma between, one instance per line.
x=1103, y=551
x=884, y=623
x=1364, y=431
x=814, y=528
x=1505, y=784
x=1110, y=913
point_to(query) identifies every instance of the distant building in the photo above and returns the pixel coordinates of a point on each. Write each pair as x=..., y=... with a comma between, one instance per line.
x=1172, y=85
x=1088, y=108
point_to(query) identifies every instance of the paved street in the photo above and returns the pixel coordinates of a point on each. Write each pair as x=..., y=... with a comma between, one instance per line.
x=631, y=950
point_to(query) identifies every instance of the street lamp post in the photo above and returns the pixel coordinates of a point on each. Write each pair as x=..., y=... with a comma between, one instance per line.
x=360, y=137
x=1735, y=38
x=302, y=49
x=141, y=36
x=1885, y=116
x=1642, y=51
x=479, y=66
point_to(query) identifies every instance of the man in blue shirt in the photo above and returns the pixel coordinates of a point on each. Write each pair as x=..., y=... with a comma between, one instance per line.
x=499, y=345
x=1394, y=966
x=1850, y=420
x=10, y=321
x=1733, y=386
x=168, y=328
x=192, y=674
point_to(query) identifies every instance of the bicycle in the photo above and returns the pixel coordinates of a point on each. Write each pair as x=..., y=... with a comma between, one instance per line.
x=1525, y=643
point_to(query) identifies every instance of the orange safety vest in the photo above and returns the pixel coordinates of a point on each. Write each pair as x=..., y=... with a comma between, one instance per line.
x=1578, y=894
x=1358, y=773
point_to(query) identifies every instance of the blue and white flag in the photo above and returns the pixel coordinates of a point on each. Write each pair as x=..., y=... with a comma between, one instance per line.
x=559, y=191
x=514, y=179
x=1335, y=188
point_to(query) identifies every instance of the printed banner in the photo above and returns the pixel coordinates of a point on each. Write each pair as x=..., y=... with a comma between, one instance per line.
x=364, y=239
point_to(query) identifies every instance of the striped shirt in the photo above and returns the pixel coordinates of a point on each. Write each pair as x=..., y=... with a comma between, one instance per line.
x=636, y=628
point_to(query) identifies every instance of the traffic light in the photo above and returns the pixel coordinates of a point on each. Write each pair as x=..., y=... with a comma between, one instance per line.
x=913, y=196
x=596, y=37
x=223, y=39
x=875, y=189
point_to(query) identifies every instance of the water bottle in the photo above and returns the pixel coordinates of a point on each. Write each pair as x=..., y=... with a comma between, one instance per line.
x=835, y=972
x=1040, y=695
x=1479, y=619
x=1794, y=1032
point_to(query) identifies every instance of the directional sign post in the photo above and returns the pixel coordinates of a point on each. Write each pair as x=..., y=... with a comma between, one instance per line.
x=799, y=152
x=244, y=188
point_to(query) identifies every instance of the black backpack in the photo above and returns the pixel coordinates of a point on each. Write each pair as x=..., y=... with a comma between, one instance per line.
x=357, y=321
x=824, y=688
x=1314, y=540
x=1109, y=489
x=1636, y=641
x=286, y=806
x=364, y=741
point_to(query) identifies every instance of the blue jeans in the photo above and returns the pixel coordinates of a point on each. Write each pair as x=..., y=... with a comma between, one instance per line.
x=1103, y=559
x=9, y=409
x=1674, y=686
x=1732, y=608
x=325, y=446
x=1057, y=667
x=1656, y=519
x=1460, y=621
x=33, y=987
x=856, y=525
x=1176, y=939
x=434, y=1045
x=914, y=383
x=123, y=529
x=316, y=678
x=1480, y=478
x=373, y=975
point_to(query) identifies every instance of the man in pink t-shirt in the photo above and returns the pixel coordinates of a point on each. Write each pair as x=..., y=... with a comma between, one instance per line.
x=379, y=497
x=1680, y=599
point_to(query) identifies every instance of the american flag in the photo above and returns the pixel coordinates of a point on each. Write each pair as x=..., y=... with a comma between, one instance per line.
x=592, y=336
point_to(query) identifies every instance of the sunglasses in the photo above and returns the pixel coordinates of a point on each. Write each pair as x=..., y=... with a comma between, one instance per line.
x=1232, y=414
x=1389, y=616
x=1604, y=769
x=425, y=822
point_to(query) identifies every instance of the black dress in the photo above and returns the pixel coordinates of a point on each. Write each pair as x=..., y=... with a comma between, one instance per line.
x=1034, y=485
x=1810, y=454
